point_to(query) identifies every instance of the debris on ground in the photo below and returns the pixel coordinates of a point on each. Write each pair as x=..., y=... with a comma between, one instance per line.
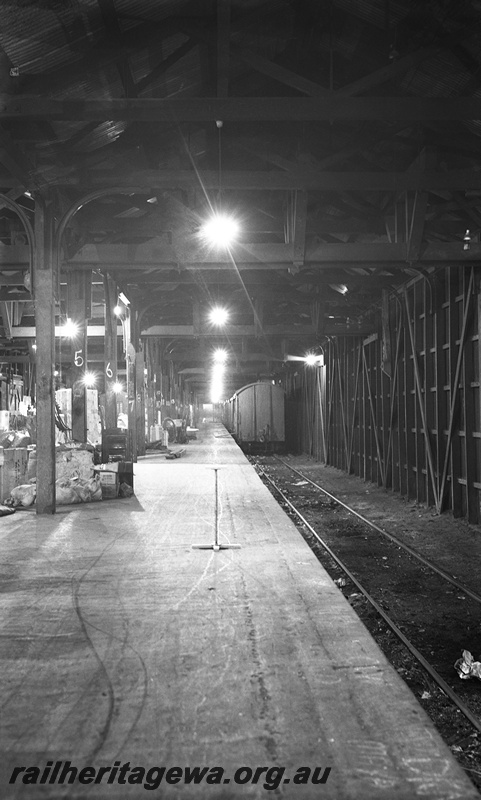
x=75, y=490
x=67, y=492
x=175, y=453
x=23, y=495
x=467, y=667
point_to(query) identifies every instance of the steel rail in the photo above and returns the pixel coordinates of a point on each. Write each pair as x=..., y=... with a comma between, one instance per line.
x=392, y=625
x=392, y=537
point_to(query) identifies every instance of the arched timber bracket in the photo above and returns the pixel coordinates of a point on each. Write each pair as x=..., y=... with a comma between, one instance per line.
x=28, y=229
x=110, y=349
x=427, y=277
x=88, y=198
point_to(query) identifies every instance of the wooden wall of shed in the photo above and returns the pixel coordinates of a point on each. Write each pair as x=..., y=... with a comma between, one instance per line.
x=401, y=408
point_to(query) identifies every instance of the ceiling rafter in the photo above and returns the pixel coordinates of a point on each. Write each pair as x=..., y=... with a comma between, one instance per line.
x=299, y=178
x=19, y=164
x=247, y=109
x=111, y=22
x=344, y=157
x=223, y=47
x=166, y=63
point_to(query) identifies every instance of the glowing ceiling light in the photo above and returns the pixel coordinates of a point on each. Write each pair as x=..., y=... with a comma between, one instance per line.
x=313, y=360
x=218, y=316
x=220, y=230
x=217, y=389
x=217, y=384
x=117, y=311
x=69, y=329
x=220, y=356
x=89, y=380
x=117, y=387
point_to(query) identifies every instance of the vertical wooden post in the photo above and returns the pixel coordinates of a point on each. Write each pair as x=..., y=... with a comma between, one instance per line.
x=452, y=445
x=374, y=425
x=78, y=309
x=441, y=374
x=468, y=416
x=430, y=388
x=130, y=328
x=418, y=389
x=150, y=365
x=402, y=401
x=45, y=331
x=140, y=402
x=420, y=434
x=79, y=390
x=159, y=381
x=110, y=352
x=357, y=362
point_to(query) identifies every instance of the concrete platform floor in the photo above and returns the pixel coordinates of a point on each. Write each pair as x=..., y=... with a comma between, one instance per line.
x=122, y=645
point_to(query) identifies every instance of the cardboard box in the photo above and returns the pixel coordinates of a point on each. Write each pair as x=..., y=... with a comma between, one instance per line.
x=126, y=473
x=14, y=469
x=109, y=482
x=108, y=478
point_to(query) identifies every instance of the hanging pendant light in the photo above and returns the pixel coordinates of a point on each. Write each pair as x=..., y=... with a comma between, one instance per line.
x=221, y=229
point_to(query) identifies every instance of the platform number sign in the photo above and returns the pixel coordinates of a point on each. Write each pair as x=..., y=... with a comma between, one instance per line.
x=78, y=358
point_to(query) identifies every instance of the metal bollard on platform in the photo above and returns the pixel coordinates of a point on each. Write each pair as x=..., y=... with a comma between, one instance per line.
x=216, y=546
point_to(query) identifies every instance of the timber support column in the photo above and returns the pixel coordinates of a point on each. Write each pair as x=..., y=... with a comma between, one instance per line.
x=44, y=282
x=110, y=352
x=140, y=401
x=130, y=361
x=79, y=290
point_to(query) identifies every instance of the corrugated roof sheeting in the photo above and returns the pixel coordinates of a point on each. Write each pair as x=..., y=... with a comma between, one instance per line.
x=183, y=75
x=376, y=12
x=475, y=125
x=143, y=61
x=102, y=85
x=131, y=12
x=173, y=81
x=38, y=38
x=439, y=76
x=105, y=133
x=347, y=44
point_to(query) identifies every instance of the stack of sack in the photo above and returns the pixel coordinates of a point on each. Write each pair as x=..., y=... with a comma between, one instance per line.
x=67, y=492
x=76, y=481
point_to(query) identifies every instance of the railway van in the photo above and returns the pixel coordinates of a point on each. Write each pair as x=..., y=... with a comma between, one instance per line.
x=255, y=415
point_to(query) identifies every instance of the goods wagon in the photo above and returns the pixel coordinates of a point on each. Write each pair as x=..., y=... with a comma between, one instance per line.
x=255, y=416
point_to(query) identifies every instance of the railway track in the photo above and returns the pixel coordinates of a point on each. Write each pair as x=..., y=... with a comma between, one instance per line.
x=386, y=579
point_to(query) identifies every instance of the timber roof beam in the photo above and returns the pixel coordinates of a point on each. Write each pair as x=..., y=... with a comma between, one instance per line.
x=248, y=109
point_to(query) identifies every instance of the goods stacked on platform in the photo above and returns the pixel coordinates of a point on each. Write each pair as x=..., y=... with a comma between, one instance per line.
x=74, y=464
